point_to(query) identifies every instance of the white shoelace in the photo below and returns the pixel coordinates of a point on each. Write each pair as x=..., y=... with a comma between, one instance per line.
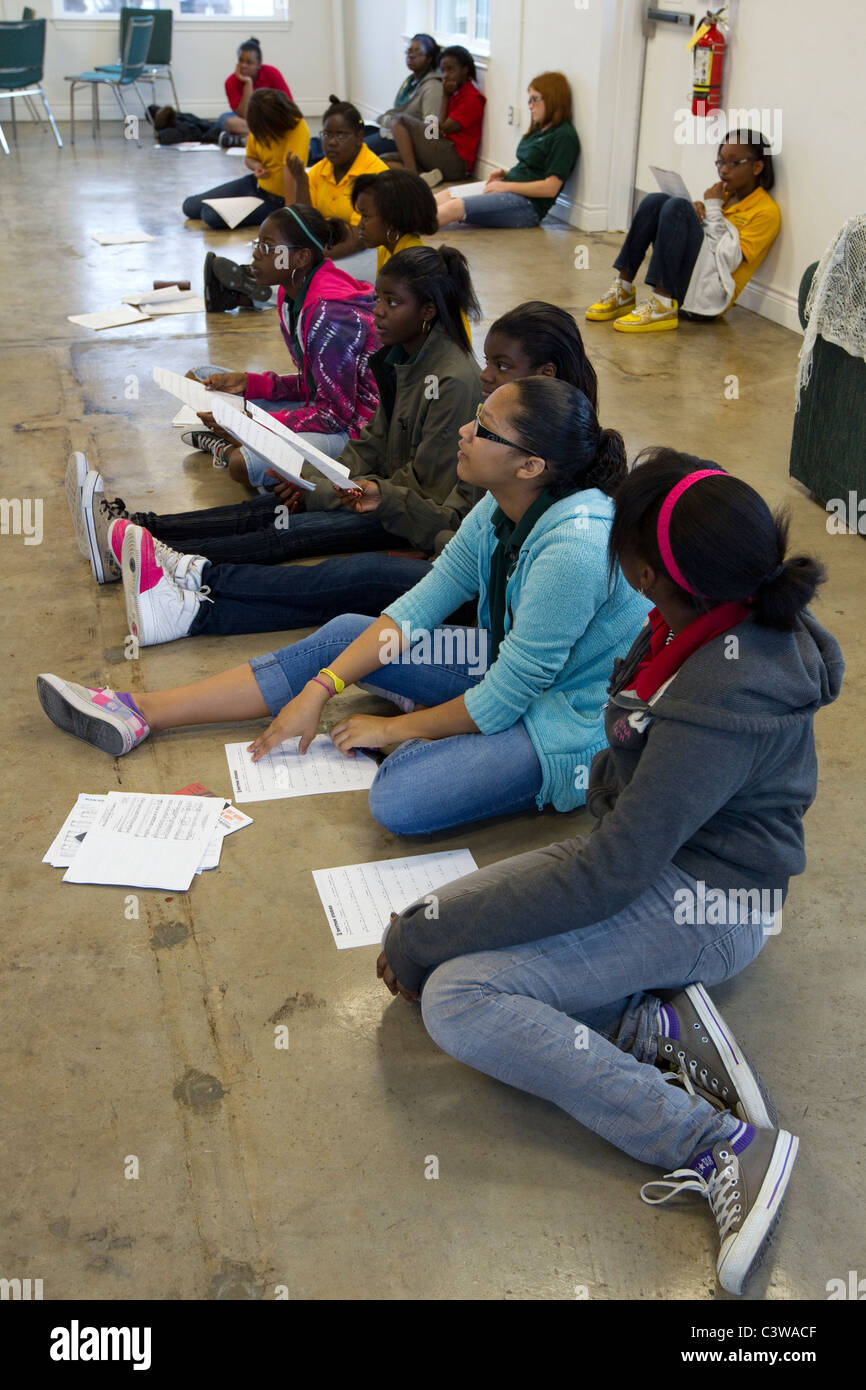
x=721, y=1189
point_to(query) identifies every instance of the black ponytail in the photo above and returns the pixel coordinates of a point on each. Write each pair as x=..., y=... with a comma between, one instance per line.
x=725, y=540
x=438, y=276
x=556, y=421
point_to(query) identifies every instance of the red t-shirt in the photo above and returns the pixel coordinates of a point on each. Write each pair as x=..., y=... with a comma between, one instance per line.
x=265, y=77
x=467, y=107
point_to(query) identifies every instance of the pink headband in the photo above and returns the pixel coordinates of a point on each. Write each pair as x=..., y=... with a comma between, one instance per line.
x=664, y=522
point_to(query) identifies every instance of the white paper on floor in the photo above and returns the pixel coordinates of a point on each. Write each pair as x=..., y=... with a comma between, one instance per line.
x=188, y=147
x=141, y=840
x=359, y=898
x=285, y=772
x=120, y=238
x=68, y=840
x=469, y=190
x=110, y=318
x=233, y=210
x=169, y=300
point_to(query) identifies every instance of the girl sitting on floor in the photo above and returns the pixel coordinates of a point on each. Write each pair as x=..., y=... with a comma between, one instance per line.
x=278, y=135
x=249, y=76
x=420, y=95
x=704, y=253
x=546, y=157
x=534, y=339
x=327, y=323
x=453, y=153
x=403, y=462
x=577, y=972
x=394, y=209
x=328, y=185
x=514, y=707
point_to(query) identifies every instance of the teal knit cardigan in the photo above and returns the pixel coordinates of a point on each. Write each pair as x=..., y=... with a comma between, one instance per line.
x=563, y=628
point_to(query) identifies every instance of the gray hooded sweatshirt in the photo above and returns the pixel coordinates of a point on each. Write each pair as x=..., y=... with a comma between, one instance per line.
x=713, y=774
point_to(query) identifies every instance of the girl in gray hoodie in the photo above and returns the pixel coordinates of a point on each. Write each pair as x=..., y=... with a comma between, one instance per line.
x=579, y=972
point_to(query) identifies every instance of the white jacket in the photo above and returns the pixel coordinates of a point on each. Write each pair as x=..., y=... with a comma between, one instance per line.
x=711, y=287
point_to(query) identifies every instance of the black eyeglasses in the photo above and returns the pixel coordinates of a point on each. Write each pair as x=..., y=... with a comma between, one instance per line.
x=482, y=432
x=266, y=248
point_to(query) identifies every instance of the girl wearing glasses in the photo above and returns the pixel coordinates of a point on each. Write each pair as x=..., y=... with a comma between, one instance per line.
x=703, y=252
x=327, y=322
x=328, y=185
x=578, y=972
x=420, y=95
x=546, y=157
x=513, y=708
x=278, y=133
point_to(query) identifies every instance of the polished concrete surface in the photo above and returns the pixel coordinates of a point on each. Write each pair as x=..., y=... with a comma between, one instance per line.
x=154, y=1037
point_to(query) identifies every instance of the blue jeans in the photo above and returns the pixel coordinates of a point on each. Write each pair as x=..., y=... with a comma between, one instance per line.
x=226, y=116
x=256, y=464
x=673, y=227
x=422, y=787
x=246, y=187
x=380, y=143
x=516, y=1014
x=268, y=598
x=499, y=210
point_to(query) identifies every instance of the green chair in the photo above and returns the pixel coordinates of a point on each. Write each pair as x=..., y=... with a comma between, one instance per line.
x=134, y=62
x=22, y=54
x=827, y=453
x=158, y=63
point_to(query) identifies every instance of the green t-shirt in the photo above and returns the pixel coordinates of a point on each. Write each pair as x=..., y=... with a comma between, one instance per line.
x=542, y=153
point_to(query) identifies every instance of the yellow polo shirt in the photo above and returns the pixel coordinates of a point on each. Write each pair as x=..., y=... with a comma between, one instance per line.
x=757, y=220
x=273, y=156
x=334, y=199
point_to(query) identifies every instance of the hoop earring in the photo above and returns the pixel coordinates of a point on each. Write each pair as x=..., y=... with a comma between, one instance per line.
x=391, y=237
x=294, y=273
x=428, y=324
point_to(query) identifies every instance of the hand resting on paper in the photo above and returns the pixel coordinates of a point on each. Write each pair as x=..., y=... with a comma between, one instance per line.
x=210, y=423
x=362, y=731
x=286, y=492
x=300, y=719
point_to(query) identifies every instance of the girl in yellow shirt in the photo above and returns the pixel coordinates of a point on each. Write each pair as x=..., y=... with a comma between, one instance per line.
x=278, y=136
x=393, y=209
x=328, y=185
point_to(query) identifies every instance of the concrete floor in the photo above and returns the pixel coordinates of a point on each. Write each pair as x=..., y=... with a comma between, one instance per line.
x=305, y=1168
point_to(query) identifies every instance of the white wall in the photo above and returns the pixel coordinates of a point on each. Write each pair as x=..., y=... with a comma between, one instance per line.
x=306, y=49
x=806, y=61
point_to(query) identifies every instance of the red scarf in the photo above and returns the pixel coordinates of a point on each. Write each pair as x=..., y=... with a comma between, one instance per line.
x=664, y=659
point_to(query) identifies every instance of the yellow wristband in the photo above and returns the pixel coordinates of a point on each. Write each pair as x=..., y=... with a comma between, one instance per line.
x=339, y=686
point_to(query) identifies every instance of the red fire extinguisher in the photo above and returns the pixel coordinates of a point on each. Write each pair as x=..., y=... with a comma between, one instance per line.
x=708, y=56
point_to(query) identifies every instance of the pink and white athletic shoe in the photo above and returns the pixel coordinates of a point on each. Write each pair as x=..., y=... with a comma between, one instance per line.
x=101, y=717
x=159, y=608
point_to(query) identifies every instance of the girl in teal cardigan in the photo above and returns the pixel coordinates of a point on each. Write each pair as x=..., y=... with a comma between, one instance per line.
x=512, y=711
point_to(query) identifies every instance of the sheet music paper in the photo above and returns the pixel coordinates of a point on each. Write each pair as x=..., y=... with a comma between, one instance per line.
x=196, y=396
x=288, y=462
x=336, y=472
x=671, y=183
x=285, y=772
x=233, y=210
x=146, y=841
x=359, y=898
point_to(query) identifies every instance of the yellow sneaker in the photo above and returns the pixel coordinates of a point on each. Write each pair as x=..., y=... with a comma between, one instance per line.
x=617, y=301
x=649, y=317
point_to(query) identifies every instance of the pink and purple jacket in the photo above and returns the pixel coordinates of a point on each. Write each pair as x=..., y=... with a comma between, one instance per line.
x=337, y=339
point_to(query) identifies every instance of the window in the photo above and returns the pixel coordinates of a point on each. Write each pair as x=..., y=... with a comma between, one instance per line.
x=463, y=21
x=238, y=9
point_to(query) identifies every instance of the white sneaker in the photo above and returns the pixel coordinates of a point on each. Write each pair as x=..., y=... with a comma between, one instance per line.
x=95, y=527
x=76, y=472
x=185, y=570
x=157, y=608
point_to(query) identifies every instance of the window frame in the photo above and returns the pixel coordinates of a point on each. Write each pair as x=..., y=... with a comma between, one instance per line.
x=479, y=48
x=61, y=18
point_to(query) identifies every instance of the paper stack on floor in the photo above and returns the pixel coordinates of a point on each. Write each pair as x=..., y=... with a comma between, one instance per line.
x=169, y=300
x=139, y=840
